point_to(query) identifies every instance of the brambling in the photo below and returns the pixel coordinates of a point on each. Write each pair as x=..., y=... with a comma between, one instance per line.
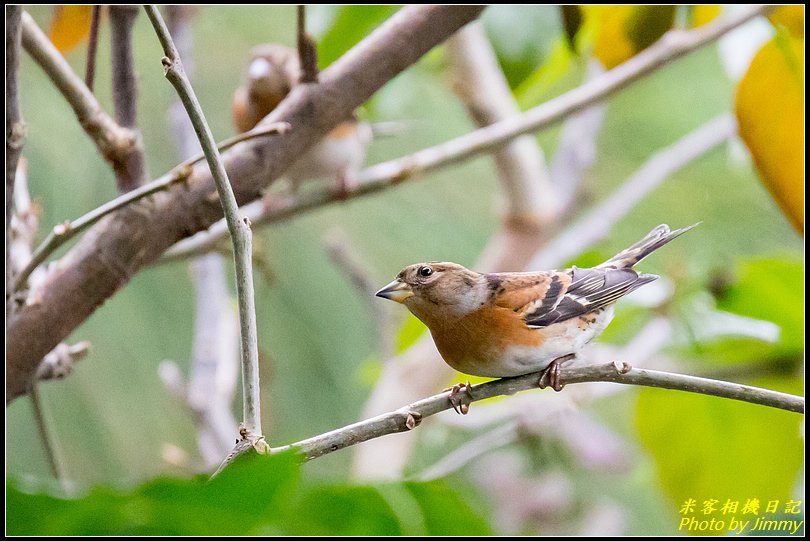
x=514, y=323
x=272, y=72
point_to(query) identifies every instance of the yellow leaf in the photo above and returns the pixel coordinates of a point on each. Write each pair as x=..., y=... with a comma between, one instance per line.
x=611, y=45
x=770, y=113
x=619, y=32
x=70, y=26
x=705, y=13
x=790, y=17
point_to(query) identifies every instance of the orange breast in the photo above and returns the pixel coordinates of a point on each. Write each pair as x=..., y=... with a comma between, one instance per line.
x=477, y=342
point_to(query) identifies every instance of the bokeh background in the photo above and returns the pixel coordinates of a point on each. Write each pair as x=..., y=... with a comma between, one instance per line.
x=112, y=418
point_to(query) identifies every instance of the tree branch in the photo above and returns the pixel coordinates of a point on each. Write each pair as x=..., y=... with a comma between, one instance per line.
x=214, y=368
x=112, y=251
x=115, y=143
x=239, y=228
x=15, y=127
x=307, y=50
x=92, y=47
x=125, y=94
x=65, y=231
x=409, y=417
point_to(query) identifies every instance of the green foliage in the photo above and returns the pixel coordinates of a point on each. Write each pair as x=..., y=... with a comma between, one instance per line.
x=711, y=448
x=409, y=333
x=255, y=495
x=349, y=26
x=772, y=289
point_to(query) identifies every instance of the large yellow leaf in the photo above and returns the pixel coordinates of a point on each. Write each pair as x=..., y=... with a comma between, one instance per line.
x=70, y=26
x=770, y=113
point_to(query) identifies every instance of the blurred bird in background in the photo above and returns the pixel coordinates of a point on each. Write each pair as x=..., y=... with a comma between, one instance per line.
x=272, y=72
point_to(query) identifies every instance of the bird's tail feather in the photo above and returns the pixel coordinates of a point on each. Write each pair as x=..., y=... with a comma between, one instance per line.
x=638, y=251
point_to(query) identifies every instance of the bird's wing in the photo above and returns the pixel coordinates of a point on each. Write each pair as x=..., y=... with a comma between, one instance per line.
x=546, y=298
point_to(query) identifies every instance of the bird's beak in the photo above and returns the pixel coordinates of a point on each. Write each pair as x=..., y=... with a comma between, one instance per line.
x=396, y=291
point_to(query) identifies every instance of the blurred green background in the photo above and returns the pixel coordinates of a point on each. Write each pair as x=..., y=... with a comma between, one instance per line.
x=112, y=417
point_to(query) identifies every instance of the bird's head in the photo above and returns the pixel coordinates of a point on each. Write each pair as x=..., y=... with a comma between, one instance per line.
x=435, y=289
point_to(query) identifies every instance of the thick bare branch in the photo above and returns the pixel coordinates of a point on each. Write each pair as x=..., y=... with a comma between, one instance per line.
x=63, y=232
x=123, y=243
x=115, y=143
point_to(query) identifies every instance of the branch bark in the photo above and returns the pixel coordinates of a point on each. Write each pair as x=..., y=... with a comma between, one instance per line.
x=15, y=127
x=116, y=144
x=125, y=95
x=123, y=243
x=409, y=417
x=92, y=47
x=241, y=235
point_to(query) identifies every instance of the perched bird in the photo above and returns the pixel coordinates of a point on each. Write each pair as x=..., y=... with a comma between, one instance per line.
x=271, y=74
x=514, y=323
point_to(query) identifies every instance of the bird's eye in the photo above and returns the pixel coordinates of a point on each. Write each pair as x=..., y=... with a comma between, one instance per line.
x=425, y=271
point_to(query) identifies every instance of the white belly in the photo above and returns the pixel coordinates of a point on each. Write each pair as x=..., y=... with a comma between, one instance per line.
x=561, y=339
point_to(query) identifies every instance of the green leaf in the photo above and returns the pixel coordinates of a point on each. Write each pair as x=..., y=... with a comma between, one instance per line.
x=349, y=26
x=247, y=493
x=254, y=495
x=771, y=289
x=445, y=512
x=343, y=510
x=712, y=448
x=409, y=333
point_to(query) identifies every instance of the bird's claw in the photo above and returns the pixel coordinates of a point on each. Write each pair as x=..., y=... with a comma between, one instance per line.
x=552, y=373
x=460, y=397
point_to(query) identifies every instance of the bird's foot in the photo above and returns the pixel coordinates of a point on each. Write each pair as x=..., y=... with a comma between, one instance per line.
x=460, y=397
x=552, y=373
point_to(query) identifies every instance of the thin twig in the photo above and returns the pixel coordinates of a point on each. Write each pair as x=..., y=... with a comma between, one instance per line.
x=125, y=94
x=92, y=47
x=63, y=232
x=48, y=447
x=660, y=166
x=307, y=50
x=409, y=417
x=115, y=143
x=214, y=370
x=238, y=226
x=15, y=127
